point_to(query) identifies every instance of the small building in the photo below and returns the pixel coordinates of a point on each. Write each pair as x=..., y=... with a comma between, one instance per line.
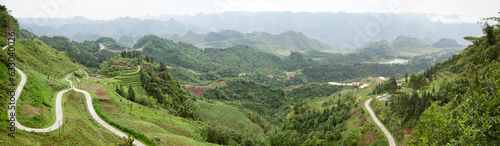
x=386, y=97
x=98, y=76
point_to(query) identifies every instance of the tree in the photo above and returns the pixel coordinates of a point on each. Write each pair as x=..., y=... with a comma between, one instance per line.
x=119, y=90
x=406, y=77
x=241, y=125
x=131, y=93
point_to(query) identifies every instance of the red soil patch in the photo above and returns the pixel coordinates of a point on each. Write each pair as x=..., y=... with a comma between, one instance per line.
x=407, y=133
x=30, y=110
x=199, y=90
x=370, y=137
x=379, y=80
x=291, y=87
x=454, y=74
x=98, y=89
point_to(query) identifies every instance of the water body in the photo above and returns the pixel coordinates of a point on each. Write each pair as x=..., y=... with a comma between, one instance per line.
x=395, y=61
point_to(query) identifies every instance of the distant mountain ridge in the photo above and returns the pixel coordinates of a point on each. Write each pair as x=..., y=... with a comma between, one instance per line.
x=339, y=30
x=282, y=43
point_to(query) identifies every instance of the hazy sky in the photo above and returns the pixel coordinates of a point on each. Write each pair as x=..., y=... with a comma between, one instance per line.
x=444, y=10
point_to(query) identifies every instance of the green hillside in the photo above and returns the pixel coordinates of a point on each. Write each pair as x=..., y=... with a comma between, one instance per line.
x=227, y=115
x=7, y=22
x=471, y=98
x=42, y=58
x=228, y=61
x=78, y=129
x=87, y=53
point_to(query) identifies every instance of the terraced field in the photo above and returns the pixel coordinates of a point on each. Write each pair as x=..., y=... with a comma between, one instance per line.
x=129, y=79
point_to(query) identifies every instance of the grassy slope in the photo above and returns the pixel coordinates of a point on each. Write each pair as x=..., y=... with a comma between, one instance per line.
x=225, y=114
x=80, y=128
x=151, y=121
x=36, y=102
x=43, y=58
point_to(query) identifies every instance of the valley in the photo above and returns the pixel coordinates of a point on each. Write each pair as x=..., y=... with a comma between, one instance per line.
x=185, y=85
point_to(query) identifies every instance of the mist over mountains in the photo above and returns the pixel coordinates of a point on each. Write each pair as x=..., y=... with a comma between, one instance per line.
x=339, y=30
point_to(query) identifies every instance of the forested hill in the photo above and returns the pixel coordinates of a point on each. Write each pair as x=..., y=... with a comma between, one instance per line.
x=467, y=110
x=87, y=53
x=228, y=61
x=7, y=22
x=402, y=46
x=281, y=44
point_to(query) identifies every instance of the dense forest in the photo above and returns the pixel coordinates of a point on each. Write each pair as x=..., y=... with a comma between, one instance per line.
x=167, y=91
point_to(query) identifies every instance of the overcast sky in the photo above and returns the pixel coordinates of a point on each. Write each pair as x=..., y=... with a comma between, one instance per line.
x=443, y=10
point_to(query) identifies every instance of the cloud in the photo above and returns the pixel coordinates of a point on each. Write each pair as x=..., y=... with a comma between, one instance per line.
x=109, y=9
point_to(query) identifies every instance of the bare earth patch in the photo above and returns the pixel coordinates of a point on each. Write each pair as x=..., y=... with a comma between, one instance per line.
x=407, y=133
x=291, y=87
x=370, y=137
x=98, y=89
x=199, y=90
x=30, y=110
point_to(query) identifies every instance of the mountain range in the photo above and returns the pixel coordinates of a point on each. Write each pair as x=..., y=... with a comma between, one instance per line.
x=338, y=30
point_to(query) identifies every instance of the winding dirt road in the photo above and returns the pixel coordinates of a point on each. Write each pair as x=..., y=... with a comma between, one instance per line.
x=374, y=117
x=85, y=73
x=59, y=114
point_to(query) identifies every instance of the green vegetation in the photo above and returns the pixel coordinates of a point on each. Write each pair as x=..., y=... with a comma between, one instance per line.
x=339, y=72
x=311, y=124
x=167, y=91
x=78, y=128
x=137, y=135
x=252, y=97
x=228, y=62
x=7, y=22
x=312, y=90
x=259, y=98
x=296, y=61
x=86, y=53
x=43, y=59
x=471, y=99
x=227, y=115
x=189, y=76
